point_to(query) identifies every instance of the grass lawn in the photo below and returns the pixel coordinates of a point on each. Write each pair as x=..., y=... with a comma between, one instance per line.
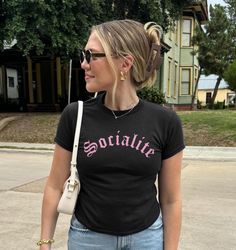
x=209, y=127
x=31, y=127
x=201, y=128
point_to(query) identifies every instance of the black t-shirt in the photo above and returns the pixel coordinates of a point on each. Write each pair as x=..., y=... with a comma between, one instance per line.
x=118, y=161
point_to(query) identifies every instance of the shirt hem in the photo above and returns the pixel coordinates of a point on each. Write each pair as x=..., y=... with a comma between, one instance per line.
x=125, y=233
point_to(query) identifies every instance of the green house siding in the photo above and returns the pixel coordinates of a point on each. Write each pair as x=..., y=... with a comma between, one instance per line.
x=186, y=59
x=180, y=66
x=184, y=100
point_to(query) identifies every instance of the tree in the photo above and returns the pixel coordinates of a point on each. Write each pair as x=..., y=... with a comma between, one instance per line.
x=196, y=87
x=61, y=27
x=57, y=26
x=2, y=24
x=231, y=12
x=230, y=77
x=163, y=12
x=215, y=45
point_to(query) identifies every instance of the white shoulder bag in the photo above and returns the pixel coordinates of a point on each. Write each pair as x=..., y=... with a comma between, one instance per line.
x=72, y=185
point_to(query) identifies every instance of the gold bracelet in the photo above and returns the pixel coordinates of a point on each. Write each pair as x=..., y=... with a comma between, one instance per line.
x=41, y=242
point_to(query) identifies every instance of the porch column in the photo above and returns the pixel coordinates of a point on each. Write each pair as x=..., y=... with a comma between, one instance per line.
x=30, y=80
x=52, y=81
x=4, y=84
x=38, y=83
x=66, y=67
x=58, y=66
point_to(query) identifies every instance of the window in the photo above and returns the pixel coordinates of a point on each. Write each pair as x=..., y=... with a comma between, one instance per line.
x=169, y=78
x=170, y=34
x=176, y=80
x=186, y=32
x=231, y=98
x=185, y=81
x=208, y=97
x=11, y=81
x=176, y=32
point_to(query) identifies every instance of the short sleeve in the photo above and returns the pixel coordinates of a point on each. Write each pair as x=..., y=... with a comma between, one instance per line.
x=66, y=127
x=174, y=141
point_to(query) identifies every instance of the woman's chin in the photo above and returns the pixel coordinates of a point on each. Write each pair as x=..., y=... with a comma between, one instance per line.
x=91, y=89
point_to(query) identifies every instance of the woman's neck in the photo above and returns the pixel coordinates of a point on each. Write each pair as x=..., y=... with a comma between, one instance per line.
x=121, y=99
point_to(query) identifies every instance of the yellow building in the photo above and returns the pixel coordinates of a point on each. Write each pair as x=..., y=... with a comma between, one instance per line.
x=206, y=89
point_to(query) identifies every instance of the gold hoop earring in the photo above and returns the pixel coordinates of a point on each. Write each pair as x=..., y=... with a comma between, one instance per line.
x=123, y=76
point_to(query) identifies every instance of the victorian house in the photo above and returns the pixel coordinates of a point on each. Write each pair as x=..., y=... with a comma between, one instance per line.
x=180, y=67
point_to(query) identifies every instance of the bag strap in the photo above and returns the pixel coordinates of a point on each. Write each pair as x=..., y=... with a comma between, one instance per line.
x=76, y=144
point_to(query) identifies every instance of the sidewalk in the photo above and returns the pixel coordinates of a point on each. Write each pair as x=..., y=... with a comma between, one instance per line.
x=208, y=184
x=190, y=152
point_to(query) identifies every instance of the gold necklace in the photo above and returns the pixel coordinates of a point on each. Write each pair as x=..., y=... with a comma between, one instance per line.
x=119, y=116
x=126, y=113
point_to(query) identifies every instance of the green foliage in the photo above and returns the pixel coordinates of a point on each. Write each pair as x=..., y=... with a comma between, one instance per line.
x=152, y=94
x=199, y=104
x=214, y=44
x=219, y=105
x=61, y=27
x=231, y=12
x=230, y=75
x=2, y=24
x=163, y=12
x=56, y=25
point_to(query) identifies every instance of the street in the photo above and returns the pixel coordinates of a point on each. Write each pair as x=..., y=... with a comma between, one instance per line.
x=209, y=200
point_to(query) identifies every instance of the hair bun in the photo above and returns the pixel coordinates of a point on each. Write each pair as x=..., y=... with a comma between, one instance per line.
x=150, y=27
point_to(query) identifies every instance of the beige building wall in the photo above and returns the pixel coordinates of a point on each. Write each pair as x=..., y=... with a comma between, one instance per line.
x=222, y=95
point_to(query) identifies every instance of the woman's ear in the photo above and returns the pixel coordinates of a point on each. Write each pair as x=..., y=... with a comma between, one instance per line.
x=126, y=63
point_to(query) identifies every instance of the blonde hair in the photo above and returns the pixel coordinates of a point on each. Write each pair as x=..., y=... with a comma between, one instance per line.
x=127, y=37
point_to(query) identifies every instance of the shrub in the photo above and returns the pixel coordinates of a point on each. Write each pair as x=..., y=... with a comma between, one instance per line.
x=199, y=104
x=152, y=94
x=219, y=105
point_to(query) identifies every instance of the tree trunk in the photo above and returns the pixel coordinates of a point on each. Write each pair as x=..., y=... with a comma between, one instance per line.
x=215, y=91
x=195, y=88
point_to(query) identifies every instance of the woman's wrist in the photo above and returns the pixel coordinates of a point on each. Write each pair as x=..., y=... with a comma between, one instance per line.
x=45, y=247
x=45, y=242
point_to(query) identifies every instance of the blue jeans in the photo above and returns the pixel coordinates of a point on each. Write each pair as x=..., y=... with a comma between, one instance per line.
x=81, y=238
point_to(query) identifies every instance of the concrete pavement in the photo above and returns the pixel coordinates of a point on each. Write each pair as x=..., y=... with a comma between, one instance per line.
x=209, y=197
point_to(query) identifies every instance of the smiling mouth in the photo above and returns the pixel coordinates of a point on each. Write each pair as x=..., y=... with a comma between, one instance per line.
x=87, y=77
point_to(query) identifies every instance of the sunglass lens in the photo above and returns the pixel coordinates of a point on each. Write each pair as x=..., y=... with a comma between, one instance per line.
x=88, y=56
x=85, y=55
x=81, y=56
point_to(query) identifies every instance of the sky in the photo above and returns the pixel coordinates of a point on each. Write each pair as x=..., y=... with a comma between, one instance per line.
x=213, y=2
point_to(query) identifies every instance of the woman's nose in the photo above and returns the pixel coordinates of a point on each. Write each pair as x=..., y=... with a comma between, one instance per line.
x=85, y=65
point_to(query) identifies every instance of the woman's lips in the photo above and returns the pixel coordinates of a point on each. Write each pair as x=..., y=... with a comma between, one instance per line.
x=87, y=77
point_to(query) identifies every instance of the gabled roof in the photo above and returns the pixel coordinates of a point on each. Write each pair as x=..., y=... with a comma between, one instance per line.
x=208, y=82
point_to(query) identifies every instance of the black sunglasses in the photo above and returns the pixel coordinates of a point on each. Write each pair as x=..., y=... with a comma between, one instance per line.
x=88, y=55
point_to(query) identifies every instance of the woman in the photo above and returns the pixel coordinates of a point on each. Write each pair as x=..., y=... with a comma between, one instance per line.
x=125, y=143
